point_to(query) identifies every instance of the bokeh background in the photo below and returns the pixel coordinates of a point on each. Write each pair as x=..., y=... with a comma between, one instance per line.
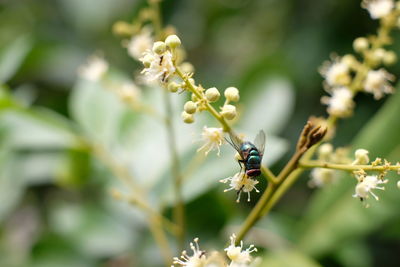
x=55, y=206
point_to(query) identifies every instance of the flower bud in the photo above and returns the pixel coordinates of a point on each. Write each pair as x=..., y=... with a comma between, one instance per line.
x=194, y=98
x=361, y=157
x=192, y=81
x=159, y=47
x=398, y=184
x=360, y=44
x=187, y=118
x=122, y=28
x=212, y=94
x=173, y=87
x=379, y=54
x=232, y=94
x=146, y=60
x=186, y=67
x=172, y=41
x=190, y=107
x=229, y=112
x=389, y=58
x=325, y=151
x=350, y=61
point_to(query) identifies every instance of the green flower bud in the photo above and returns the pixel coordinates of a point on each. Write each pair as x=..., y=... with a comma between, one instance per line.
x=173, y=87
x=229, y=112
x=232, y=94
x=146, y=60
x=360, y=44
x=187, y=118
x=212, y=94
x=173, y=41
x=390, y=58
x=190, y=107
x=159, y=47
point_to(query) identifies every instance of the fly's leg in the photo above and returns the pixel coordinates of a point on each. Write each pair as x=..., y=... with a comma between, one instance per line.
x=241, y=163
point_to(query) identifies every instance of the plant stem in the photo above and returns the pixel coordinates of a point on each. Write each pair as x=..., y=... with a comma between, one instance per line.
x=265, y=200
x=255, y=213
x=209, y=108
x=269, y=175
x=161, y=240
x=179, y=209
x=346, y=167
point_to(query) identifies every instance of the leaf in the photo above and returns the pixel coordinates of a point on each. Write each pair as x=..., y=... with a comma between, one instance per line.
x=286, y=258
x=91, y=228
x=271, y=107
x=12, y=56
x=334, y=216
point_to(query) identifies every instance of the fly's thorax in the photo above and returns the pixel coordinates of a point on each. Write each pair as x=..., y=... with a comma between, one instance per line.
x=247, y=147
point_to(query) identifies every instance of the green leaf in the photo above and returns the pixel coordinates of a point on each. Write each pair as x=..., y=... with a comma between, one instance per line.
x=334, y=216
x=270, y=107
x=91, y=228
x=12, y=56
x=286, y=258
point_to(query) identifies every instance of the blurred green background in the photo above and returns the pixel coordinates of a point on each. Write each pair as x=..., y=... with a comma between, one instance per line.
x=55, y=206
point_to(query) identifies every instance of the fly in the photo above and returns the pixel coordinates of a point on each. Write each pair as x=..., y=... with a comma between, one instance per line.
x=251, y=153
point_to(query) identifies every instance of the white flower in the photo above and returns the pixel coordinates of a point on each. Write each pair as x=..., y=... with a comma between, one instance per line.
x=213, y=138
x=336, y=72
x=158, y=67
x=140, y=43
x=321, y=177
x=129, y=92
x=237, y=255
x=341, y=103
x=377, y=83
x=378, y=8
x=366, y=185
x=241, y=182
x=94, y=69
x=198, y=259
x=361, y=156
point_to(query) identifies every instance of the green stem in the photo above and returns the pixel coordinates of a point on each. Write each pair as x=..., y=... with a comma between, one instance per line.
x=209, y=108
x=179, y=209
x=267, y=173
x=346, y=167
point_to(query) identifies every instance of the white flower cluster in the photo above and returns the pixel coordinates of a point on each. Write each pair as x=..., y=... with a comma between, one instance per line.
x=321, y=177
x=94, y=69
x=342, y=74
x=158, y=63
x=241, y=183
x=365, y=186
x=378, y=8
x=237, y=256
x=140, y=43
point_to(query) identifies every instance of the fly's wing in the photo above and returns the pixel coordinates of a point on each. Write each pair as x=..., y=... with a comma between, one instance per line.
x=259, y=142
x=235, y=142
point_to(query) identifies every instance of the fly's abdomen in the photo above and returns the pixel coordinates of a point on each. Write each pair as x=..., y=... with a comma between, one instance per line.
x=253, y=162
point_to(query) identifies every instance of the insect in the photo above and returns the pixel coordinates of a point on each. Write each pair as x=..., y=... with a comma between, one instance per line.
x=251, y=154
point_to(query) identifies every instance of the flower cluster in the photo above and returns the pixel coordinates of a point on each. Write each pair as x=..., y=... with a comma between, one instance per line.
x=321, y=177
x=95, y=68
x=241, y=183
x=237, y=256
x=163, y=64
x=204, y=97
x=367, y=183
x=345, y=76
